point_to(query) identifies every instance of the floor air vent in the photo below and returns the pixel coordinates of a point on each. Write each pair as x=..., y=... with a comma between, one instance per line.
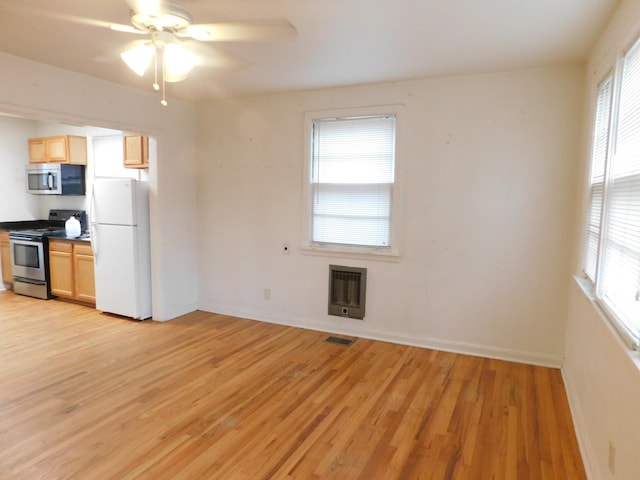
x=347, y=289
x=340, y=340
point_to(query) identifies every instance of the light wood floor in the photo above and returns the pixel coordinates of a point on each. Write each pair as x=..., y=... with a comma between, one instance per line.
x=85, y=395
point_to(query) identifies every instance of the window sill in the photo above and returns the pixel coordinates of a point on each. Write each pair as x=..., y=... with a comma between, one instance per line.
x=626, y=339
x=385, y=255
x=586, y=286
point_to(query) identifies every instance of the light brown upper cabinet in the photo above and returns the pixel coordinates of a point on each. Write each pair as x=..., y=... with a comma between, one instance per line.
x=60, y=149
x=136, y=150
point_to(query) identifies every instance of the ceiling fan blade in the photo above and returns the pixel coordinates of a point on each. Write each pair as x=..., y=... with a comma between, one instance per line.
x=118, y=27
x=240, y=31
x=65, y=17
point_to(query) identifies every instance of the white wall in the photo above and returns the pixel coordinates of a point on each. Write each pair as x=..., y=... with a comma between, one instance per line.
x=15, y=203
x=50, y=94
x=488, y=167
x=602, y=376
x=603, y=384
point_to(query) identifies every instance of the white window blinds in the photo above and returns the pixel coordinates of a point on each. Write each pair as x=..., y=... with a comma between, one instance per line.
x=352, y=176
x=596, y=180
x=618, y=284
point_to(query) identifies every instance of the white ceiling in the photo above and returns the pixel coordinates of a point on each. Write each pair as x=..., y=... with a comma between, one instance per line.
x=339, y=42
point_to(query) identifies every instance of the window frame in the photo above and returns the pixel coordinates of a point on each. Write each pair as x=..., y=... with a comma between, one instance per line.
x=390, y=252
x=629, y=333
x=611, y=78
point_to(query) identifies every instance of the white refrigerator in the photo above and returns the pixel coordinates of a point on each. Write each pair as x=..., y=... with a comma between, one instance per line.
x=119, y=219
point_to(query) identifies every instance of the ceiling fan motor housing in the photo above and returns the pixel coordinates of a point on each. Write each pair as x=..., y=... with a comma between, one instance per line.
x=170, y=17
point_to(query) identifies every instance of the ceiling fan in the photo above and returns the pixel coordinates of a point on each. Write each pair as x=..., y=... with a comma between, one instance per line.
x=166, y=24
x=167, y=35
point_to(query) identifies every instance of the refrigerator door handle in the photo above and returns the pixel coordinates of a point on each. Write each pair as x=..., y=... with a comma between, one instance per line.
x=92, y=202
x=94, y=237
x=94, y=242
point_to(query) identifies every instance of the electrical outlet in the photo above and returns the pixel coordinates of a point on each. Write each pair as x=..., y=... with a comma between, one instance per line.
x=267, y=294
x=285, y=248
x=612, y=458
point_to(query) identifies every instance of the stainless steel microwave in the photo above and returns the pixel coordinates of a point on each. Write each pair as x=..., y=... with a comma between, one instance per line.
x=56, y=179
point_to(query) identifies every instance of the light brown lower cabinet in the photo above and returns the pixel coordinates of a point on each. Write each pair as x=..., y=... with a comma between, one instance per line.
x=5, y=258
x=71, y=270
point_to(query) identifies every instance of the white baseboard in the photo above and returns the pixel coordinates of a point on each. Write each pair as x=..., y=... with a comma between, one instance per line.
x=579, y=426
x=531, y=358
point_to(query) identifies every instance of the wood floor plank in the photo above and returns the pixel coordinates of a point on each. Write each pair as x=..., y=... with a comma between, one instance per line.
x=85, y=395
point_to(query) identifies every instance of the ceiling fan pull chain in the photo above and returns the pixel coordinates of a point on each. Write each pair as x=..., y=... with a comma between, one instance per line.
x=164, y=100
x=156, y=87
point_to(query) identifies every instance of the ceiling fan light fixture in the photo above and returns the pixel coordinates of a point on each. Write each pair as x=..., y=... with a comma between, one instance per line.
x=178, y=62
x=139, y=58
x=166, y=23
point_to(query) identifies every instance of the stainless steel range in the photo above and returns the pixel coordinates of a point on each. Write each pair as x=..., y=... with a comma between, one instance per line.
x=30, y=253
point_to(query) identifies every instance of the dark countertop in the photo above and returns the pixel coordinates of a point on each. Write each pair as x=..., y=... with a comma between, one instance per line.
x=24, y=225
x=83, y=238
x=33, y=224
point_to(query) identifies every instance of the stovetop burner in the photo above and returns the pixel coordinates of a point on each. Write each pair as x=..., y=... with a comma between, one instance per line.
x=48, y=229
x=56, y=227
x=38, y=232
